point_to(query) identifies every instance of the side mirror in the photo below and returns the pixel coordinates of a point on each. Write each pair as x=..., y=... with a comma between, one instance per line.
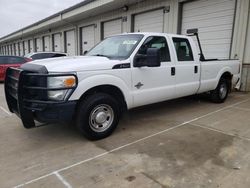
x=151, y=59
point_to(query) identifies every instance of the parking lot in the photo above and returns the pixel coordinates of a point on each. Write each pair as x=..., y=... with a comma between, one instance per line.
x=188, y=142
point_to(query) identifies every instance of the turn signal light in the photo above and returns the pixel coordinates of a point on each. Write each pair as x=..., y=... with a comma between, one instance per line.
x=69, y=82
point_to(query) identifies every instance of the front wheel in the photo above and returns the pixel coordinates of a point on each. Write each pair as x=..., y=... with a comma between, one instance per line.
x=219, y=95
x=98, y=116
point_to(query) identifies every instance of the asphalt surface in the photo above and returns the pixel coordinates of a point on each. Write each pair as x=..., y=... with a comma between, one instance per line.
x=189, y=142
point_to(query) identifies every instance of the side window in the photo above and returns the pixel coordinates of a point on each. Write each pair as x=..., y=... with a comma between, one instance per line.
x=183, y=49
x=156, y=42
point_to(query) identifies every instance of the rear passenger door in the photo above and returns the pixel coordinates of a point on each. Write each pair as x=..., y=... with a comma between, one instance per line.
x=187, y=69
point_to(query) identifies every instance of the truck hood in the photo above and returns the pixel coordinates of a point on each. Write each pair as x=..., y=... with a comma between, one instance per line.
x=77, y=63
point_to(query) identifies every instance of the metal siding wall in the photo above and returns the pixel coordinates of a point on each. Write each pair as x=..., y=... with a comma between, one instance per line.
x=142, y=6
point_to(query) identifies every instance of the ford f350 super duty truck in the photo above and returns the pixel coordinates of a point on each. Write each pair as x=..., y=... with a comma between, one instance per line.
x=121, y=72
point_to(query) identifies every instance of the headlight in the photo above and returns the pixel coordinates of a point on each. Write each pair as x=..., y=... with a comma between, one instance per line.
x=62, y=82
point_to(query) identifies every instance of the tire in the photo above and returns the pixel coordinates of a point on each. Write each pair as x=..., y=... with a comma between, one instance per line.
x=98, y=116
x=219, y=95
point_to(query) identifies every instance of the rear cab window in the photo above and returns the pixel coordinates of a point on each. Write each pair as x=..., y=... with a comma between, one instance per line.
x=183, y=49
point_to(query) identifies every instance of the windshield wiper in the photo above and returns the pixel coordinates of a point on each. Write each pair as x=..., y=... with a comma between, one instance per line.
x=101, y=55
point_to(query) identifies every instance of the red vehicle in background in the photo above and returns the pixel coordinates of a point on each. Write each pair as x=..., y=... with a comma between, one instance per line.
x=10, y=61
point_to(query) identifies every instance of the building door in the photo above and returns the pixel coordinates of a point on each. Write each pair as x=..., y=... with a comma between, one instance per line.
x=17, y=49
x=214, y=19
x=152, y=21
x=87, y=38
x=31, y=46
x=21, y=48
x=38, y=42
x=46, y=43
x=112, y=27
x=57, y=42
x=26, y=47
x=70, y=43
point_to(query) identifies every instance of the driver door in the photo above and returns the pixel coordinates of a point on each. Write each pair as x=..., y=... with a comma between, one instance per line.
x=153, y=84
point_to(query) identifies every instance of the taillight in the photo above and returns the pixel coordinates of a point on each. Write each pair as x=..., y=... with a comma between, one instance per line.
x=239, y=69
x=28, y=59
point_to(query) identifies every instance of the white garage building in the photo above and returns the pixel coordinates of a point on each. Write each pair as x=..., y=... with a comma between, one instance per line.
x=224, y=27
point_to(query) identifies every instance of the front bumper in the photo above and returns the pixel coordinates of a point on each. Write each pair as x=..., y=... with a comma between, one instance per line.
x=26, y=96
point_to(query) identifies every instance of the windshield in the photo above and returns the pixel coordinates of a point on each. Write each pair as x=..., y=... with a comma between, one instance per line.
x=116, y=47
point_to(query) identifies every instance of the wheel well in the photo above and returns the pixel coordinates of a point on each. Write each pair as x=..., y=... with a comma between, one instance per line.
x=228, y=76
x=109, y=89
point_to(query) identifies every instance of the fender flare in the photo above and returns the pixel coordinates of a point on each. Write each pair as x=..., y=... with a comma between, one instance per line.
x=223, y=71
x=99, y=80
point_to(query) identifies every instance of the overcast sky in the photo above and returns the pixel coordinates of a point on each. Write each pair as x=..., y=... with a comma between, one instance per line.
x=16, y=14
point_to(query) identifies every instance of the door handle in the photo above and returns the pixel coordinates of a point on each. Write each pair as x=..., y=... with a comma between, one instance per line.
x=172, y=71
x=195, y=69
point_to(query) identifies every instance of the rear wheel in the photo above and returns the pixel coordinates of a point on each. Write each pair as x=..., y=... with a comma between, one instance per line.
x=219, y=95
x=98, y=116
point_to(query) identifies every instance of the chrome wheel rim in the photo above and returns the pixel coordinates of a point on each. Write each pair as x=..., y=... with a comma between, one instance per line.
x=101, y=118
x=223, y=91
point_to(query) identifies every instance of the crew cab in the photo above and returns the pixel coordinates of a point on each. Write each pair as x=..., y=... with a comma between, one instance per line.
x=120, y=73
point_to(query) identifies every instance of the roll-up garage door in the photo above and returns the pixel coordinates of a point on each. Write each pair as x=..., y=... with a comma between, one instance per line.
x=46, y=43
x=5, y=50
x=38, y=45
x=87, y=38
x=31, y=46
x=112, y=27
x=57, y=44
x=21, y=48
x=14, y=48
x=214, y=19
x=26, y=47
x=70, y=45
x=151, y=21
x=10, y=48
x=17, y=49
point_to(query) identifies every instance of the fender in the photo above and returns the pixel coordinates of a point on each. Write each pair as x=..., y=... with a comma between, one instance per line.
x=221, y=72
x=98, y=80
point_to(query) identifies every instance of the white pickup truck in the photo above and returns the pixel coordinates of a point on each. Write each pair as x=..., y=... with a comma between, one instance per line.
x=121, y=72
